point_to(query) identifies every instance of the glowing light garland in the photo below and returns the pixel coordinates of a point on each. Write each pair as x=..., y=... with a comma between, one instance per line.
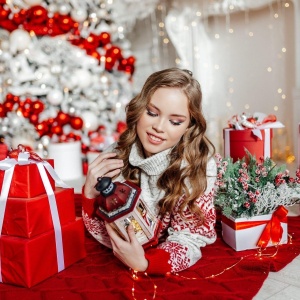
x=260, y=255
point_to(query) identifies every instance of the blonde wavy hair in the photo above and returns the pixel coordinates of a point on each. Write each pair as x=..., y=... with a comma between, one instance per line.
x=194, y=147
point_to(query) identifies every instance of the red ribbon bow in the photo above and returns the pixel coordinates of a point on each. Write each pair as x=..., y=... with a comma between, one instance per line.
x=273, y=230
x=15, y=153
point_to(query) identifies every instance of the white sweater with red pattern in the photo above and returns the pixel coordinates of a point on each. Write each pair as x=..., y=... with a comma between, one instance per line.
x=182, y=236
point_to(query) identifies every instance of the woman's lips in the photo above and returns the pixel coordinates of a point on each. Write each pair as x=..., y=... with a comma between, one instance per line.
x=154, y=139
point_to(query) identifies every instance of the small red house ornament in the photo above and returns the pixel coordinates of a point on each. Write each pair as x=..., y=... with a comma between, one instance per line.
x=120, y=204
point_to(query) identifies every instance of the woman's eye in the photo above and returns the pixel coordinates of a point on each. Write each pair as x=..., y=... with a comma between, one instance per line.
x=176, y=123
x=151, y=113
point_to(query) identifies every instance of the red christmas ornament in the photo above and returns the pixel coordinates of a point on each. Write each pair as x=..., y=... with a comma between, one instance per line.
x=34, y=119
x=4, y=13
x=122, y=64
x=19, y=18
x=37, y=15
x=104, y=38
x=62, y=118
x=65, y=23
x=16, y=99
x=2, y=111
x=131, y=60
x=8, y=105
x=8, y=25
x=42, y=128
x=76, y=123
x=92, y=42
x=37, y=106
x=114, y=52
x=9, y=96
x=57, y=129
x=121, y=127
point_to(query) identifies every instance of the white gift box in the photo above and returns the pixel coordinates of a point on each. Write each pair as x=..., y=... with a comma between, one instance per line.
x=244, y=233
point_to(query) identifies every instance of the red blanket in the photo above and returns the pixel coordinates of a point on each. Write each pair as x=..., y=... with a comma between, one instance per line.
x=101, y=276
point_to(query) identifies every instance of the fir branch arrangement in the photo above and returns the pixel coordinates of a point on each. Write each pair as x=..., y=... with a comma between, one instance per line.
x=255, y=187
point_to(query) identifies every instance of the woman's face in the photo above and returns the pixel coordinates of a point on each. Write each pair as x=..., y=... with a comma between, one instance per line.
x=164, y=121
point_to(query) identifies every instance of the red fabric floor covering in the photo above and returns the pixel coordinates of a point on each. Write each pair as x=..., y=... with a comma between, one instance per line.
x=101, y=276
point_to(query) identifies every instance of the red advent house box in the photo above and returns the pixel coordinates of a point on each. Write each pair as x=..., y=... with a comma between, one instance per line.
x=257, y=141
x=40, y=234
x=244, y=233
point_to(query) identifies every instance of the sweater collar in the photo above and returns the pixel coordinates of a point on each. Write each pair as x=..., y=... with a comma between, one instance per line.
x=153, y=165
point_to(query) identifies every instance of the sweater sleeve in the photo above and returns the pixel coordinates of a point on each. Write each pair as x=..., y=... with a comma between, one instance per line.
x=94, y=225
x=185, y=236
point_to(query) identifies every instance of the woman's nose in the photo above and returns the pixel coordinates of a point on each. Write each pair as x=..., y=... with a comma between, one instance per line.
x=158, y=125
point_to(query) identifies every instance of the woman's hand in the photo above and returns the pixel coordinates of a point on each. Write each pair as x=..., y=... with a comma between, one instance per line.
x=104, y=165
x=130, y=253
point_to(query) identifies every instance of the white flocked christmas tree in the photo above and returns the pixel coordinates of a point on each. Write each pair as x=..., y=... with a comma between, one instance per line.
x=66, y=73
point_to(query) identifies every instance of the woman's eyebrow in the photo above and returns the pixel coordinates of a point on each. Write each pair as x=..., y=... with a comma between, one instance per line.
x=173, y=115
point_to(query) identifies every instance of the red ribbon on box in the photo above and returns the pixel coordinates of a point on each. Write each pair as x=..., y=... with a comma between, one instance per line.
x=273, y=230
x=22, y=157
x=242, y=225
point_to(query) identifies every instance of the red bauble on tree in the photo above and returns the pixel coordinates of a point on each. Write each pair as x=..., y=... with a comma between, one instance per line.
x=37, y=106
x=76, y=123
x=37, y=15
x=104, y=38
x=62, y=118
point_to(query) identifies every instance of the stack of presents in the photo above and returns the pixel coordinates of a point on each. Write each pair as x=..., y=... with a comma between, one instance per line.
x=40, y=234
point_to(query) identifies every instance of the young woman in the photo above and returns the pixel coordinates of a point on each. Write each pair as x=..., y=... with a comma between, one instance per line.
x=165, y=151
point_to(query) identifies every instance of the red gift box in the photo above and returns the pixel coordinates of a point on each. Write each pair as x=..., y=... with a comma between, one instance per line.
x=236, y=141
x=26, y=262
x=26, y=181
x=31, y=216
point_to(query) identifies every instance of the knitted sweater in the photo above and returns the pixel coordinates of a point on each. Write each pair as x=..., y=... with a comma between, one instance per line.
x=181, y=236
